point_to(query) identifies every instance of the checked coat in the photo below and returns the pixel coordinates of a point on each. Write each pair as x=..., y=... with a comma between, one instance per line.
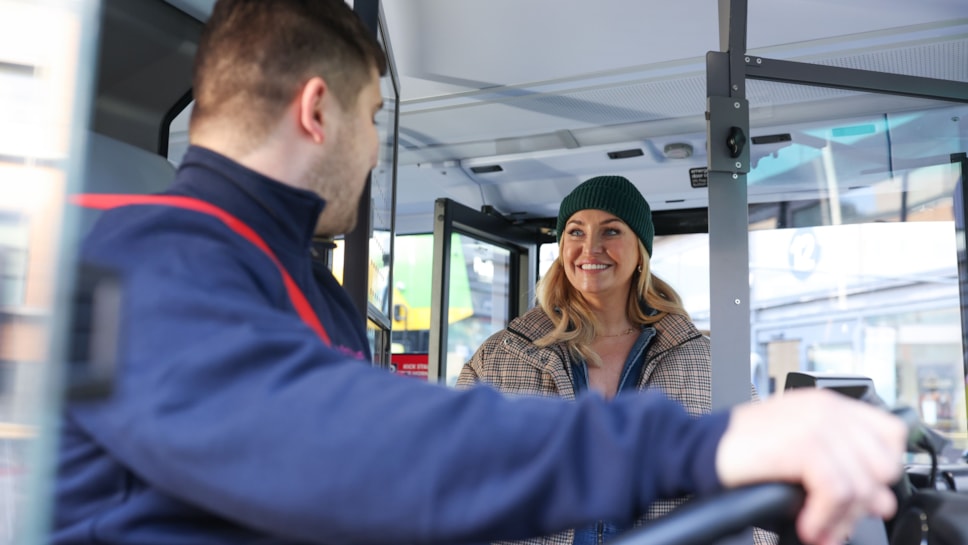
x=677, y=361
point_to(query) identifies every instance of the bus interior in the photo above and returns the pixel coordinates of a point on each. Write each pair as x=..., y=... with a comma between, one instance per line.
x=804, y=161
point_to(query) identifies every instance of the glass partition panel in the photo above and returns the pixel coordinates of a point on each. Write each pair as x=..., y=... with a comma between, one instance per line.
x=478, y=303
x=853, y=247
x=382, y=184
x=479, y=298
x=46, y=72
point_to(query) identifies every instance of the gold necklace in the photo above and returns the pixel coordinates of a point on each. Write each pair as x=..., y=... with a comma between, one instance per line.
x=628, y=331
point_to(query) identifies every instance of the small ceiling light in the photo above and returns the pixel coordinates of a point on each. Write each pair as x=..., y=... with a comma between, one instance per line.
x=677, y=150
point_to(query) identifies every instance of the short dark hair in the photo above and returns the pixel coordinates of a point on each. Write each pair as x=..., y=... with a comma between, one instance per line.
x=253, y=56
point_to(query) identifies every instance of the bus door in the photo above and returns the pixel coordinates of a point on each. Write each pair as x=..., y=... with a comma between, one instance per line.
x=484, y=270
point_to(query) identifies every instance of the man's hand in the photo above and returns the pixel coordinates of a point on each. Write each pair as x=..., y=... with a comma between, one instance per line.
x=846, y=454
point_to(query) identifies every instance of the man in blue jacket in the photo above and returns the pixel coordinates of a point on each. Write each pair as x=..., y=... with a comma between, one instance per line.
x=245, y=409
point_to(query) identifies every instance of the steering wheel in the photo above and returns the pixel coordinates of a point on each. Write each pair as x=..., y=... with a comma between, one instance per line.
x=703, y=521
x=774, y=506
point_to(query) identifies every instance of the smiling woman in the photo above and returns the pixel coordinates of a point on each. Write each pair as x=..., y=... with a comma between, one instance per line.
x=581, y=338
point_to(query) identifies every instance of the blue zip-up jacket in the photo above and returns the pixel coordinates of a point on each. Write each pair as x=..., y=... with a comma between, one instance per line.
x=233, y=423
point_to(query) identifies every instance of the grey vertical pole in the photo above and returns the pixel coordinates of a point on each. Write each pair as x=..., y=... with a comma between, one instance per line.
x=728, y=116
x=728, y=123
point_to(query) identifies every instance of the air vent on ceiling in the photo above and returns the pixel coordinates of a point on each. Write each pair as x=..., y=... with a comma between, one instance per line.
x=772, y=138
x=625, y=153
x=486, y=169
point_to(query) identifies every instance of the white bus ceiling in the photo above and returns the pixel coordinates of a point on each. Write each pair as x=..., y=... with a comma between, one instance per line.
x=545, y=91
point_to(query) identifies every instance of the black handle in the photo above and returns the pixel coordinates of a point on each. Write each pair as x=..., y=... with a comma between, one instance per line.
x=736, y=142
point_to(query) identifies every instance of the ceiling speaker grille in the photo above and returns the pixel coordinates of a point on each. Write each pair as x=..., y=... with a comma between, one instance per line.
x=947, y=60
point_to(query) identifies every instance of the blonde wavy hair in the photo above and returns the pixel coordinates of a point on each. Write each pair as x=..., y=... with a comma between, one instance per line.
x=576, y=324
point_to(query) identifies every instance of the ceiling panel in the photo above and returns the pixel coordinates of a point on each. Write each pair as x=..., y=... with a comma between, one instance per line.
x=546, y=91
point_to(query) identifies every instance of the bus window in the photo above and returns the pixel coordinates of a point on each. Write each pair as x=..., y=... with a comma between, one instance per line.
x=853, y=261
x=178, y=135
x=478, y=295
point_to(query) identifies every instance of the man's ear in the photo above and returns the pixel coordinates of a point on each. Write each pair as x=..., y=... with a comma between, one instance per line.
x=313, y=99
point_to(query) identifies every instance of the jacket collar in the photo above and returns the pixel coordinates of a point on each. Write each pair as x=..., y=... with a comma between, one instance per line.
x=553, y=360
x=671, y=331
x=283, y=215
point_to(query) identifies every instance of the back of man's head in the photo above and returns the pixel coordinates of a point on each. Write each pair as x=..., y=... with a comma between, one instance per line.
x=254, y=55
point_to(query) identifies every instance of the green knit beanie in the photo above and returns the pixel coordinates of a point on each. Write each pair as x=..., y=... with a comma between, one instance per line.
x=615, y=195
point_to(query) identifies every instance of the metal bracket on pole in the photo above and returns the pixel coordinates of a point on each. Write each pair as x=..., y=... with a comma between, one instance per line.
x=726, y=134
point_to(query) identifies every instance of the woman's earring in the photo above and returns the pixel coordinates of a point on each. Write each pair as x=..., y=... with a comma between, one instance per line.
x=639, y=268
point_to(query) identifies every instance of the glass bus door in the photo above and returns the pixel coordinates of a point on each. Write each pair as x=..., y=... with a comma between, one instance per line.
x=484, y=270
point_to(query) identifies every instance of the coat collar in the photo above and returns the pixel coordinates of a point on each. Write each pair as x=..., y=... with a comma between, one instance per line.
x=671, y=331
x=553, y=360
